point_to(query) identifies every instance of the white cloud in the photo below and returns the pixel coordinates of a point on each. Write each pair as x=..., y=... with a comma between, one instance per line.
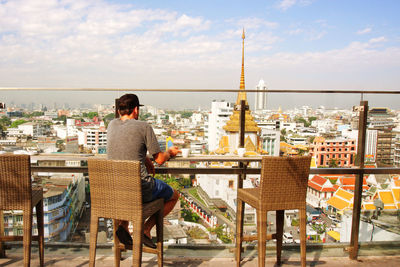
x=380, y=39
x=296, y=31
x=286, y=4
x=95, y=44
x=364, y=31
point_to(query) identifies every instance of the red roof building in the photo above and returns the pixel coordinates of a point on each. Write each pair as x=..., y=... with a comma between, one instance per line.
x=347, y=182
x=319, y=190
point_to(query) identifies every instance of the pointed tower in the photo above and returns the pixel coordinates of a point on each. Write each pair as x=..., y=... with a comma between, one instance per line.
x=232, y=126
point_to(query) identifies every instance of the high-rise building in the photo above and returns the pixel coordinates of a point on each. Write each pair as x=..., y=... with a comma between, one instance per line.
x=261, y=97
x=220, y=112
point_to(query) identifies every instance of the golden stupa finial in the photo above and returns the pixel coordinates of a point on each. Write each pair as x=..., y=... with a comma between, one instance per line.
x=242, y=93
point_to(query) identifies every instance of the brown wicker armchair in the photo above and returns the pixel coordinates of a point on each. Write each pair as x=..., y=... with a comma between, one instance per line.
x=16, y=193
x=283, y=185
x=116, y=193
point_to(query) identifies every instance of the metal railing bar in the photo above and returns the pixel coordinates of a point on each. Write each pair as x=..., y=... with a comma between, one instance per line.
x=169, y=170
x=307, y=91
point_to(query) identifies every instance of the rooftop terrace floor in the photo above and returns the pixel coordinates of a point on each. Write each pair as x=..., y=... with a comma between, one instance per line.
x=206, y=257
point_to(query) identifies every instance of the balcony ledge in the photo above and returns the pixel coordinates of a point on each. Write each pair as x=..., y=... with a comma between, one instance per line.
x=333, y=254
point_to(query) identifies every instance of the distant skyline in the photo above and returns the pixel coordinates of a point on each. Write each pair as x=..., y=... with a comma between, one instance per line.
x=290, y=44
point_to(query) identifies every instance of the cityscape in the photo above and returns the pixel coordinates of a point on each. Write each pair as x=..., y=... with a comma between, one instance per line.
x=299, y=86
x=330, y=136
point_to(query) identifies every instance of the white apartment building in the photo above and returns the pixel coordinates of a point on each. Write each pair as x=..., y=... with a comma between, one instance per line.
x=33, y=129
x=95, y=137
x=270, y=140
x=261, y=97
x=220, y=112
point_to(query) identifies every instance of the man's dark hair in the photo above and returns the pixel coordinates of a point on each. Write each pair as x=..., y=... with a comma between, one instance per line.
x=127, y=103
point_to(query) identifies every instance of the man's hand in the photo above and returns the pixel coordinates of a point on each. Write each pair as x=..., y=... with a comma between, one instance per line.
x=162, y=157
x=149, y=166
x=173, y=151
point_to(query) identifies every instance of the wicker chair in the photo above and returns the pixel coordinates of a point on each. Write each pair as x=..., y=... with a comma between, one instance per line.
x=283, y=185
x=116, y=193
x=16, y=193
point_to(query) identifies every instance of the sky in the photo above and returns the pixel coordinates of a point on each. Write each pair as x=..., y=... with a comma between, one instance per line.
x=182, y=44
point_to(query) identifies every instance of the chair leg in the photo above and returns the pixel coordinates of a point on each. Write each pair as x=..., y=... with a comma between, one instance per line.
x=40, y=227
x=137, y=237
x=94, y=227
x=117, y=251
x=239, y=230
x=262, y=235
x=2, y=250
x=303, y=236
x=27, y=238
x=160, y=237
x=279, y=234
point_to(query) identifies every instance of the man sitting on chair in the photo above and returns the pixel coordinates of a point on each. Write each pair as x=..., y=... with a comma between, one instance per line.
x=131, y=139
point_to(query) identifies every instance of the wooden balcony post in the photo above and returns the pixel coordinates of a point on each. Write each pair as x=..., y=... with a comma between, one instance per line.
x=355, y=225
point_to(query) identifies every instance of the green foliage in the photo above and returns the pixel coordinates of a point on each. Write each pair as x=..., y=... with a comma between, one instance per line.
x=187, y=214
x=186, y=182
x=186, y=114
x=62, y=118
x=170, y=180
x=33, y=114
x=221, y=233
x=15, y=123
x=109, y=117
x=283, y=135
x=91, y=115
x=333, y=163
x=193, y=192
x=4, y=122
x=307, y=123
x=319, y=228
x=144, y=116
x=295, y=222
x=197, y=233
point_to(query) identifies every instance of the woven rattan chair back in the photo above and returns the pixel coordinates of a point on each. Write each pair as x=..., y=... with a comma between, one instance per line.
x=116, y=193
x=283, y=183
x=115, y=188
x=15, y=182
x=16, y=193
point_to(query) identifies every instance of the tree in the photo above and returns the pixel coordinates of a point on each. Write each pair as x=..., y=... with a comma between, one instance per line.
x=15, y=123
x=4, y=122
x=283, y=135
x=333, y=163
x=186, y=114
x=219, y=230
x=187, y=214
x=91, y=115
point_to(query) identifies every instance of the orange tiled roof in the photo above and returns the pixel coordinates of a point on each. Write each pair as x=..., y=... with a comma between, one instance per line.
x=344, y=194
x=338, y=203
x=396, y=194
x=318, y=180
x=368, y=206
x=387, y=199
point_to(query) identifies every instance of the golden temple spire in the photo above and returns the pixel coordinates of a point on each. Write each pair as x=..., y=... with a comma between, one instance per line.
x=242, y=93
x=233, y=124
